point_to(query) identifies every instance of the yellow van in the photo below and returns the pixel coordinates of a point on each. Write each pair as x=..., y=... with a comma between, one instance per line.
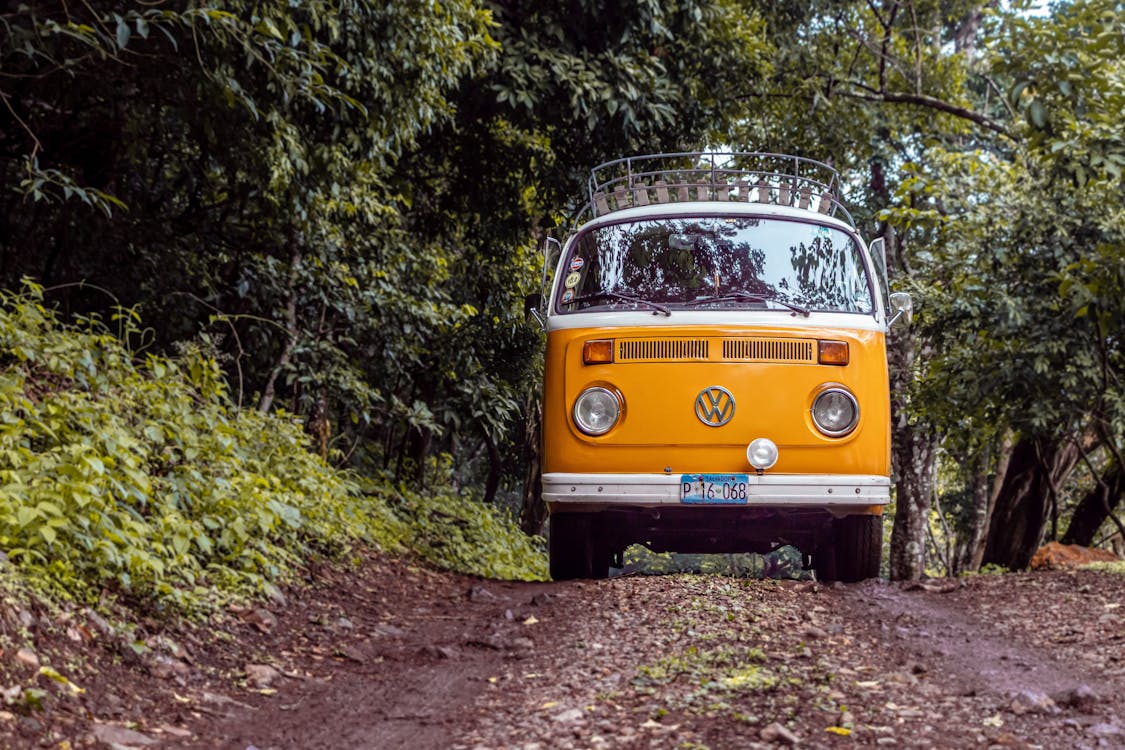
x=716, y=373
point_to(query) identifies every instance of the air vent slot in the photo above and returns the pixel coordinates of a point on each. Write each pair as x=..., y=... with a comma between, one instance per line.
x=769, y=350
x=662, y=350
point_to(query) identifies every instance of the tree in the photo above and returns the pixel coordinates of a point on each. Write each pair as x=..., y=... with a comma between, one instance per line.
x=347, y=198
x=348, y=195
x=1096, y=507
x=572, y=87
x=237, y=154
x=990, y=133
x=868, y=87
x=1017, y=228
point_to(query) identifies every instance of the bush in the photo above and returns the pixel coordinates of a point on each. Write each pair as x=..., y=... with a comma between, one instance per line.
x=137, y=476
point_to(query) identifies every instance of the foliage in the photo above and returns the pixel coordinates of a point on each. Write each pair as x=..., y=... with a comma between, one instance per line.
x=137, y=476
x=1107, y=567
x=992, y=136
x=250, y=144
x=571, y=87
x=467, y=536
x=347, y=197
x=1019, y=282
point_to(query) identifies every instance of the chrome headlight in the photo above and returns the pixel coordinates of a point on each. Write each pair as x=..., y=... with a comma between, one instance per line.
x=835, y=412
x=596, y=411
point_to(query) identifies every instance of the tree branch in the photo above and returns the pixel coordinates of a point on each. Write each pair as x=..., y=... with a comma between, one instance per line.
x=1000, y=95
x=930, y=102
x=895, y=97
x=1101, y=483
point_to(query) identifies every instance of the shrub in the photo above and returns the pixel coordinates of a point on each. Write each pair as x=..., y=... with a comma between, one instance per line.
x=137, y=476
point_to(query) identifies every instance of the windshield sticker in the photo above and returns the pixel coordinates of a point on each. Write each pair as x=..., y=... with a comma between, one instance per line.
x=568, y=295
x=576, y=264
x=572, y=280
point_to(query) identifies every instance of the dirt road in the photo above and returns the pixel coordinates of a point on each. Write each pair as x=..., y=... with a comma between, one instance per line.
x=391, y=656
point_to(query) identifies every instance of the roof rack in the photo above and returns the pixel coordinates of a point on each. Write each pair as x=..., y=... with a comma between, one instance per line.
x=747, y=177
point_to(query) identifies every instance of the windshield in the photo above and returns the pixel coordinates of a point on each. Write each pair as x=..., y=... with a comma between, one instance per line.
x=703, y=263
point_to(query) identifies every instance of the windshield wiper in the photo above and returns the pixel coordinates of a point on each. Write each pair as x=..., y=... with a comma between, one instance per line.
x=656, y=308
x=748, y=297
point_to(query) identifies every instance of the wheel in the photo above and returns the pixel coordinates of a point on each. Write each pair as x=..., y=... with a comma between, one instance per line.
x=855, y=551
x=824, y=562
x=575, y=550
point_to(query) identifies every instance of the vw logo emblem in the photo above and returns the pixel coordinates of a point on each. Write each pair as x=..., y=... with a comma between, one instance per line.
x=714, y=406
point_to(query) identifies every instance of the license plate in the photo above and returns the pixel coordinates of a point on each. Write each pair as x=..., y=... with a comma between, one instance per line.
x=715, y=489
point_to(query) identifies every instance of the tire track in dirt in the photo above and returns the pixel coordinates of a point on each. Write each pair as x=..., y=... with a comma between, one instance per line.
x=940, y=630
x=417, y=650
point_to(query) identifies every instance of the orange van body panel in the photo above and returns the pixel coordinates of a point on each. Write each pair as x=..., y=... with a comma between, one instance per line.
x=658, y=431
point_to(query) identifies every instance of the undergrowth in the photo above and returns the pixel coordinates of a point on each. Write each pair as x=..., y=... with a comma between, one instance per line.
x=136, y=477
x=1117, y=566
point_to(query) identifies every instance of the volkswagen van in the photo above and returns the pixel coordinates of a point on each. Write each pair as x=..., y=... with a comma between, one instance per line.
x=716, y=373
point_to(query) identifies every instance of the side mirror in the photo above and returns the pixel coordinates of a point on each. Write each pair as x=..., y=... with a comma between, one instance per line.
x=902, y=306
x=532, y=304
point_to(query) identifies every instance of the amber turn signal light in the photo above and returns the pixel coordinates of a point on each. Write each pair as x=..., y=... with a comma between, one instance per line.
x=598, y=352
x=832, y=352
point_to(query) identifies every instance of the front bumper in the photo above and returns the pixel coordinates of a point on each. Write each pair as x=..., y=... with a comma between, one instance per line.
x=834, y=492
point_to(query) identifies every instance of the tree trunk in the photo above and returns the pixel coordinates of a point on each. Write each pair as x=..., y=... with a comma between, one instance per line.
x=290, y=328
x=495, y=464
x=983, y=506
x=533, y=512
x=418, y=450
x=978, y=519
x=420, y=438
x=914, y=452
x=914, y=448
x=1037, y=465
x=1096, y=507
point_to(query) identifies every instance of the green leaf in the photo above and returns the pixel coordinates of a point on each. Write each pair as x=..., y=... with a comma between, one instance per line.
x=1037, y=114
x=26, y=515
x=123, y=33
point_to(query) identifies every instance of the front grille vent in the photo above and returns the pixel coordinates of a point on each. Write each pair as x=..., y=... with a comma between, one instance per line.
x=801, y=351
x=769, y=350
x=661, y=350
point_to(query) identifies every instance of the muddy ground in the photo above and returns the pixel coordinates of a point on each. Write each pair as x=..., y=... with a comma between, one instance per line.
x=383, y=654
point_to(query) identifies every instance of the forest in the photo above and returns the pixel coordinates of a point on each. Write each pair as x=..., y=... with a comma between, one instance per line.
x=326, y=217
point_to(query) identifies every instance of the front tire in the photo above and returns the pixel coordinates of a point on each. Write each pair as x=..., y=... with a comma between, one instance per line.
x=575, y=550
x=855, y=551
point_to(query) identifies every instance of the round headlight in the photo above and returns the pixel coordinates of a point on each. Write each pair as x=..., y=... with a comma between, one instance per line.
x=835, y=412
x=762, y=453
x=596, y=411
